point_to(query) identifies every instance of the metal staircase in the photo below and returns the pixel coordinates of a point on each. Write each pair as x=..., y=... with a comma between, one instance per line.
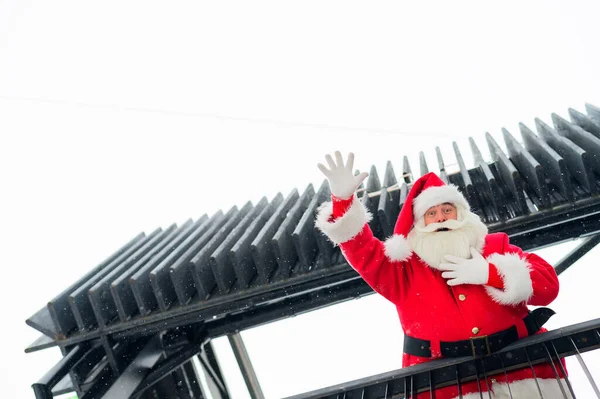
x=138, y=319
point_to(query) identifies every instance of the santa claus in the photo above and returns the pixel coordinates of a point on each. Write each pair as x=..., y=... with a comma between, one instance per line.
x=459, y=291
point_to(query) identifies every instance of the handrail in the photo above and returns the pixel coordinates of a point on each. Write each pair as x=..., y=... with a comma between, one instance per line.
x=540, y=348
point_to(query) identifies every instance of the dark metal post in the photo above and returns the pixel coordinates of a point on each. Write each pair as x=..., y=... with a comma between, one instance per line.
x=43, y=388
x=42, y=391
x=212, y=371
x=239, y=350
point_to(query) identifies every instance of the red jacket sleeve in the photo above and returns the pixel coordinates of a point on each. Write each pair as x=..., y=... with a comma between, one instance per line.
x=526, y=278
x=494, y=278
x=345, y=222
x=366, y=254
x=340, y=206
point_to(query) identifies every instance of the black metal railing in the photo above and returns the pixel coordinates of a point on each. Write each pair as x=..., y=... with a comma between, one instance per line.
x=427, y=377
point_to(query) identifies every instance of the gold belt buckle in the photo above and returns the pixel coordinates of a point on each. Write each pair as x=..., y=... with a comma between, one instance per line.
x=474, y=348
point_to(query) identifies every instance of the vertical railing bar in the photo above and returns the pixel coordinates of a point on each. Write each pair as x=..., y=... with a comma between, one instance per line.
x=533, y=372
x=460, y=396
x=506, y=376
x=562, y=389
x=563, y=371
x=486, y=380
x=585, y=369
x=431, y=391
x=478, y=381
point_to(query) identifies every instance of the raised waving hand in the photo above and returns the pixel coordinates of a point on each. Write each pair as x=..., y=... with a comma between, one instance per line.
x=342, y=181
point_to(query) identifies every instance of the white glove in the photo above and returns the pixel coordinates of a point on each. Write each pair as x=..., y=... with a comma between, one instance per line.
x=466, y=271
x=342, y=181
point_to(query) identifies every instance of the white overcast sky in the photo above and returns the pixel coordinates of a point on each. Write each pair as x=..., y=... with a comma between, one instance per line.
x=118, y=117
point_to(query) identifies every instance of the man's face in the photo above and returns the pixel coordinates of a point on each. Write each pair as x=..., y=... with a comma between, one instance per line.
x=446, y=230
x=440, y=213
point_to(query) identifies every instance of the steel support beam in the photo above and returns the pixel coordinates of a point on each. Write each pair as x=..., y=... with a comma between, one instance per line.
x=168, y=365
x=193, y=380
x=212, y=371
x=586, y=245
x=43, y=388
x=137, y=370
x=243, y=359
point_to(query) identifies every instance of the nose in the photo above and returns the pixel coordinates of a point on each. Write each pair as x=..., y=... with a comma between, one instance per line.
x=440, y=217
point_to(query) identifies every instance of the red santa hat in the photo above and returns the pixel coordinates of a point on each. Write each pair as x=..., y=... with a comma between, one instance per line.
x=429, y=190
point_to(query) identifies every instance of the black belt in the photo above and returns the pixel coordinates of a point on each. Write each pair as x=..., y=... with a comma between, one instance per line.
x=479, y=346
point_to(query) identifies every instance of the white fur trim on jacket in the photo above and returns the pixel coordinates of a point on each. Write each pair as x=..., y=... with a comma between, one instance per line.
x=347, y=226
x=515, y=275
x=397, y=248
x=525, y=389
x=435, y=196
x=528, y=389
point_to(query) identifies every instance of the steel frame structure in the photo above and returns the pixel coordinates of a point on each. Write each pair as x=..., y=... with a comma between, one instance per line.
x=152, y=308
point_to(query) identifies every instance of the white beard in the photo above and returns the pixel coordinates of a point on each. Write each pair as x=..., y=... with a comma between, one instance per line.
x=467, y=232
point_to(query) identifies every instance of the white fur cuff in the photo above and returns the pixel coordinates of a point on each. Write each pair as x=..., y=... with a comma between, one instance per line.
x=397, y=249
x=347, y=226
x=515, y=275
x=527, y=388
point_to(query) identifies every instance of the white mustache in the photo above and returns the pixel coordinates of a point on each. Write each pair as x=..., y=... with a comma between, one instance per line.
x=450, y=224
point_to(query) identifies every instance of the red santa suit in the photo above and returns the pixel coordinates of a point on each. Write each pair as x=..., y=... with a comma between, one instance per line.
x=428, y=307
